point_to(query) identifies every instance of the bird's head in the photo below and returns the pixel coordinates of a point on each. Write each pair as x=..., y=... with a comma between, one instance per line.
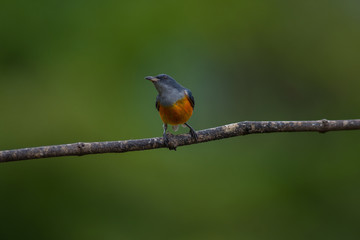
x=163, y=82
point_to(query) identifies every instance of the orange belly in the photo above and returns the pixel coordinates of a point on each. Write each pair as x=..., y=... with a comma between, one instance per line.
x=178, y=113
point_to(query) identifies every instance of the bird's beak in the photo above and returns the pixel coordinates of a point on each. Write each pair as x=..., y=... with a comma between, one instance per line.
x=151, y=78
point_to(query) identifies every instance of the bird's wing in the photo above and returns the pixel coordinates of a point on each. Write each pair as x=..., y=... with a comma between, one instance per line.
x=190, y=97
x=157, y=104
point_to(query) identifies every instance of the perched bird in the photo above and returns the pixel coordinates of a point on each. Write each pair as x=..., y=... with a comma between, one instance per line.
x=174, y=103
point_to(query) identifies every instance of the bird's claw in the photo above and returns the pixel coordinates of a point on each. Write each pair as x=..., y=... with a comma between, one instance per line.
x=166, y=139
x=193, y=134
x=169, y=144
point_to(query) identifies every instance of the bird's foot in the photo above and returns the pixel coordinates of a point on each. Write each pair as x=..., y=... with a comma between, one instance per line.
x=168, y=141
x=193, y=134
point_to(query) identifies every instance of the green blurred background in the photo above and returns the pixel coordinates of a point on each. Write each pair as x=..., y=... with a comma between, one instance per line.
x=74, y=71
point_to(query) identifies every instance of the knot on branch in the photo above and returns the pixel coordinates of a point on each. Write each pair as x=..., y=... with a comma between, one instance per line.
x=81, y=147
x=324, y=126
x=246, y=127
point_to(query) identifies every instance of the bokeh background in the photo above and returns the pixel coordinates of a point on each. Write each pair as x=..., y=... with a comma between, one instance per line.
x=74, y=71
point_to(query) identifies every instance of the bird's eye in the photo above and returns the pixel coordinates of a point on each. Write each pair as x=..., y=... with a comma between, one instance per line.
x=165, y=77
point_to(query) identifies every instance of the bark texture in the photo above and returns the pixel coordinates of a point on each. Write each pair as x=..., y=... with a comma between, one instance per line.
x=217, y=133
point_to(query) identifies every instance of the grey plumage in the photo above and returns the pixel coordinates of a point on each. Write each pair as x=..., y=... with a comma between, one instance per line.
x=169, y=90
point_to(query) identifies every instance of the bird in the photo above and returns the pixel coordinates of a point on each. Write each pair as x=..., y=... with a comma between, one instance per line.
x=174, y=103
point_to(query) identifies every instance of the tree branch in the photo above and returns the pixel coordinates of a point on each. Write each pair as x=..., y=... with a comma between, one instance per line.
x=226, y=131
